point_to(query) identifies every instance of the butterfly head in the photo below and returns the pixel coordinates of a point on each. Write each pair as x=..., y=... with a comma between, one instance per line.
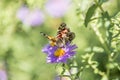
x=62, y=26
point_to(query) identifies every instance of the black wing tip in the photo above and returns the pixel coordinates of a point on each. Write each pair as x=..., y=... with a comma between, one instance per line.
x=63, y=24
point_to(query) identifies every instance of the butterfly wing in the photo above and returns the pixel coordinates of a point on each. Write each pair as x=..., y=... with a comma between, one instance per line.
x=70, y=36
x=50, y=38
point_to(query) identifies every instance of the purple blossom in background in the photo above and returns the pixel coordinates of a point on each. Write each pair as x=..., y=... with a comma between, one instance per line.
x=57, y=8
x=61, y=78
x=3, y=75
x=57, y=77
x=30, y=17
x=57, y=55
x=22, y=13
x=34, y=18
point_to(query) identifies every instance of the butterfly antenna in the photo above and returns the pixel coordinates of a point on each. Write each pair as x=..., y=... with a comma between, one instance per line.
x=43, y=34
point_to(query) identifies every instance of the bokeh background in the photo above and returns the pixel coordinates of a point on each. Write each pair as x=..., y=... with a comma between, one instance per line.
x=21, y=22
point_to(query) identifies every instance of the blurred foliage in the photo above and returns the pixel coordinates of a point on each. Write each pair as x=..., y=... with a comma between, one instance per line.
x=98, y=44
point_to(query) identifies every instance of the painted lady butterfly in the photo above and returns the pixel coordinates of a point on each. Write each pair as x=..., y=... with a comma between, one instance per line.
x=64, y=36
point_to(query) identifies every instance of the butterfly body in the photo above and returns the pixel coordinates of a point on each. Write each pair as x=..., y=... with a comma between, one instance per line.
x=64, y=36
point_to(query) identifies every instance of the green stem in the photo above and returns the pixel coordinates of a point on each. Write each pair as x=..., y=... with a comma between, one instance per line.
x=72, y=78
x=99, y=6
x=7, y=57
x=116, y=35
x=79, y=72
x=104, y=44
x=66, y=67
x=94, y=18
x=116, y=55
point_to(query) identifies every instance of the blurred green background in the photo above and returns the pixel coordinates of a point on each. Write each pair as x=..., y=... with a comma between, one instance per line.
x=21, y=44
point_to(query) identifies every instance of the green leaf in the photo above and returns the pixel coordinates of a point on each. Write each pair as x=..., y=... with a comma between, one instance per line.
x=89, y=14
x=106, y=15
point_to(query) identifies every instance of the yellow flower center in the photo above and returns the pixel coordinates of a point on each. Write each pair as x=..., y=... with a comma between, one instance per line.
x=59, y=52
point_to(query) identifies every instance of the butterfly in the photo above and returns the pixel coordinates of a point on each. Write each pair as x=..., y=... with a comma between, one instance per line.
x=64, y=36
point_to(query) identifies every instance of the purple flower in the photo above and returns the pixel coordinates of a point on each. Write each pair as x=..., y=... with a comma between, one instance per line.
x=57, y=8
x=34, y=18
x=30, y=17
x=57, y=55
x=22, y=13
x=62, y=78
x=57, y=77
x=3, y=75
